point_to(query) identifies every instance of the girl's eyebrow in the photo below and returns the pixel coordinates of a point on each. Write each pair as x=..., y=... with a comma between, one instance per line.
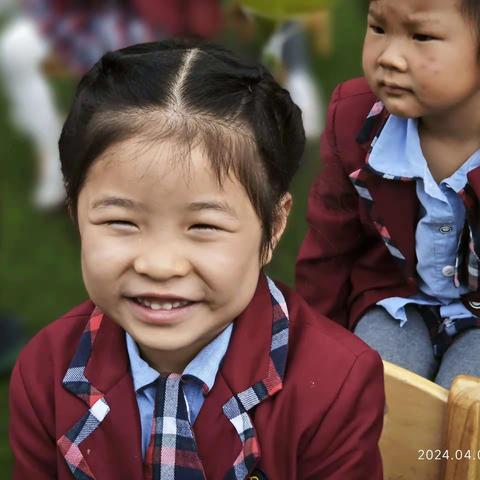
x=112, y=201
x=213, y=205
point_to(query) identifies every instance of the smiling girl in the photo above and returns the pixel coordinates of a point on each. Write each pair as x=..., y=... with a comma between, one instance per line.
x=188, y=362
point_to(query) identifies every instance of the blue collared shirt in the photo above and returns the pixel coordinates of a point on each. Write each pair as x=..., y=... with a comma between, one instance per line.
x=398, y=152
x=201, y=370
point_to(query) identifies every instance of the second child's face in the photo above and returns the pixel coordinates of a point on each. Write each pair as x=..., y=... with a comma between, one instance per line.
x=420, y=57
x=167, y=253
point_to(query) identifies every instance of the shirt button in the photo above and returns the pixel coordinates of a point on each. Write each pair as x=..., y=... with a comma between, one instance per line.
x=446, y=229
x=475, y=305
x=448, y=271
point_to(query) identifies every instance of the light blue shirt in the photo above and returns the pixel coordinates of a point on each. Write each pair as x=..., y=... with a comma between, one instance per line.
x=201, y=370
x=441, y=219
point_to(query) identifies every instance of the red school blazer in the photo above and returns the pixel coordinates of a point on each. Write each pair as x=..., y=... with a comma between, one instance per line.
x=345, y=264
x=323, y=423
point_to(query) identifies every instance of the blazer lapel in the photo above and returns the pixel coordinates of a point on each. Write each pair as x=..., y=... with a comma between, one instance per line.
x=387, y=198
x=76, y=382
x=252, y=372
x=102, y=385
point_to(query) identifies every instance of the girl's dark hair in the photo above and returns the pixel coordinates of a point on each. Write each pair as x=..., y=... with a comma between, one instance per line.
x=471, y=10
x=199, y=94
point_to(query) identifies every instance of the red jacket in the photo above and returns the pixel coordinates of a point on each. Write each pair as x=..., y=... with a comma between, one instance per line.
x=345, y=265
x=323, y=424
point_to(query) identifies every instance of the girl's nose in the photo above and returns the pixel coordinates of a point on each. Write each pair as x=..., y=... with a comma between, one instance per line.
x=393, y=57
x=162, y=262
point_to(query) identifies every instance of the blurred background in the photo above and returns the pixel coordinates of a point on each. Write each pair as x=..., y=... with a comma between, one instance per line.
x=46, y=45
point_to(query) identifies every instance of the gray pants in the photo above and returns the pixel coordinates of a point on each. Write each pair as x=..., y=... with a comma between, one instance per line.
x=410, y=346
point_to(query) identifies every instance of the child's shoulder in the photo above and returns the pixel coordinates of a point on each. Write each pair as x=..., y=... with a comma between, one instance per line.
x=328, y=368
x=320, y=347
x=351, y=102
x=58, y=339
x=353, y=87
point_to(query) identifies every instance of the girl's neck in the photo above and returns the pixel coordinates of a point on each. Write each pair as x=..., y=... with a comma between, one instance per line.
x=174, y=361
x=166, y=362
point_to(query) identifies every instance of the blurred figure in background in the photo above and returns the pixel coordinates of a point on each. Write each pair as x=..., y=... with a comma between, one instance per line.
x=45, y=37
x=76, y=33
x=288, y=47
x=292, y=30
x=32, y=108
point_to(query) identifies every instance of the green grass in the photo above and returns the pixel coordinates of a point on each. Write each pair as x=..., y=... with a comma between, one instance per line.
x=39, y=261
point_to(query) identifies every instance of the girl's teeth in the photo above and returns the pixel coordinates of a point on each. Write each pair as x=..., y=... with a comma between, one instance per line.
x=162, y=306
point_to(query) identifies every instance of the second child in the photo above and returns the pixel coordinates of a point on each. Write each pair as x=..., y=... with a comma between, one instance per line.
x=393, y=246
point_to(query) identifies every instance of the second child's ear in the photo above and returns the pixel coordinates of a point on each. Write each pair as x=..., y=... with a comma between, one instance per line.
x=283, y=211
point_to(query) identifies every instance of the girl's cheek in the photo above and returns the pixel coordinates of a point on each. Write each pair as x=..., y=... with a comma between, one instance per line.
x=104, y=253
x=231, y=262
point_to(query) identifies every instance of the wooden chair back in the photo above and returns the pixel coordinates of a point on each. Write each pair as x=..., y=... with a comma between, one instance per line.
x=414, y=425
x=430, y=433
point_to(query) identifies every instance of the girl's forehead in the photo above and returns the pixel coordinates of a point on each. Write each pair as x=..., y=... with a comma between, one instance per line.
x=162, y=172
x=141, y=159
x=220, y=155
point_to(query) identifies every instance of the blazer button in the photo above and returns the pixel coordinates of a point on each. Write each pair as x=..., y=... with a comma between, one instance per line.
x=448, y=271
x=475, y=305
x=446, y=229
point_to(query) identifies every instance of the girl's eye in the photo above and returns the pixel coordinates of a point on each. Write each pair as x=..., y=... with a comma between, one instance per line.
x=376, y=29
x=420, y=37
x=204, y=226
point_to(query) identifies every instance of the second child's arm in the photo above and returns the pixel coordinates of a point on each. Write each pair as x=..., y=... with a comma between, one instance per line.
x=335, y=234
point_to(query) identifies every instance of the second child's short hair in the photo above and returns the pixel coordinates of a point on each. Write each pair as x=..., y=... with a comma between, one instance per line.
x=198, y=94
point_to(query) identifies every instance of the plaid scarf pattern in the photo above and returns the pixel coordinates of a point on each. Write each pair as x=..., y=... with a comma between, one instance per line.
x=376, y=118
x=76, y=382
x=237, y=408
x=172, y=452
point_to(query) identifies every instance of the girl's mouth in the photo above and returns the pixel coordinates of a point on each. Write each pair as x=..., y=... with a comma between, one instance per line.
x=161, y=311
x=158, y=304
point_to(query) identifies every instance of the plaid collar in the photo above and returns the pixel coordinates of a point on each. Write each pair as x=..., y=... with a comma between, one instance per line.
x=77, y=383
x=235, y=409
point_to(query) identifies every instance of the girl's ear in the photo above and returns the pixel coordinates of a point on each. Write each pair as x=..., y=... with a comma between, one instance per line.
x=283, y=211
